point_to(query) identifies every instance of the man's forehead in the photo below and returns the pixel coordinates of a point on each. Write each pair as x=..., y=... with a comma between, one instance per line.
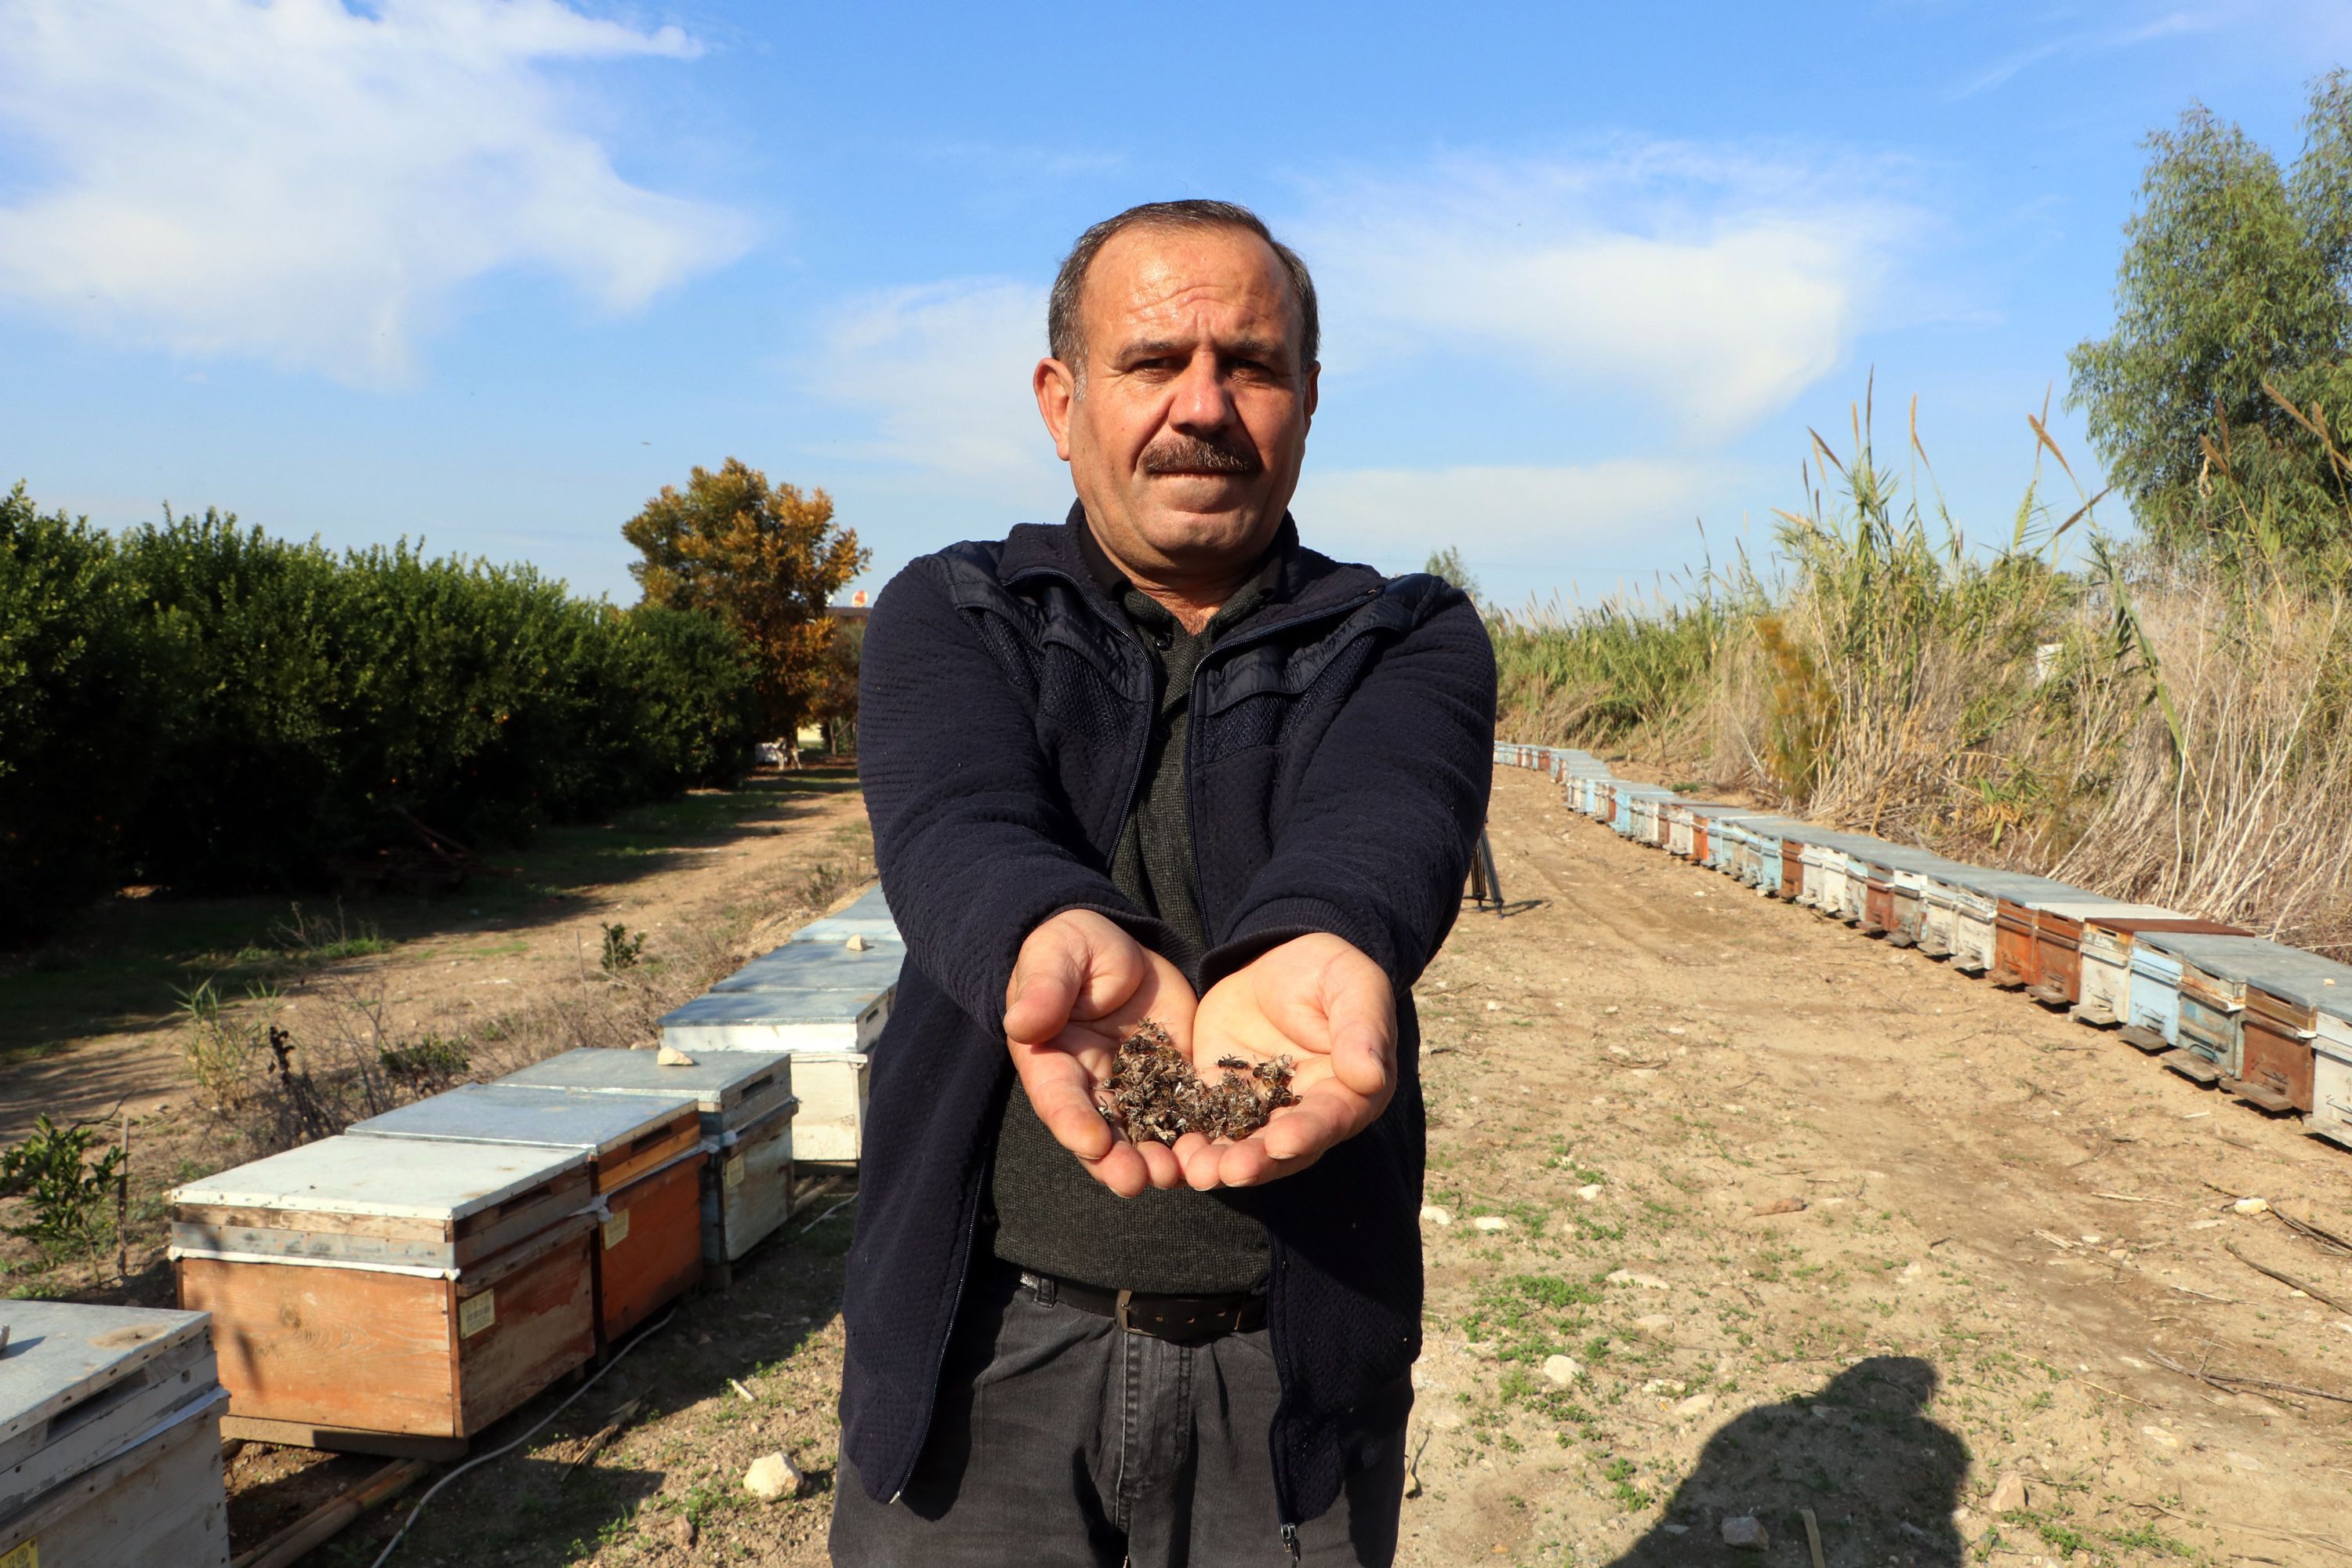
x=1145, y=280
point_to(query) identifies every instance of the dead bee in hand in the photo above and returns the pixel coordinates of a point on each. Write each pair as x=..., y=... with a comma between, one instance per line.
x=1154, y=1095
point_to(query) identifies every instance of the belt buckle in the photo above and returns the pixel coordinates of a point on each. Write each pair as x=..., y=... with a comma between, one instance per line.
x=1119, y=1312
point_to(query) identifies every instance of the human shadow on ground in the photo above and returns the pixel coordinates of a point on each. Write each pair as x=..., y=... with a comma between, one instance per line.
x=1880, y=1476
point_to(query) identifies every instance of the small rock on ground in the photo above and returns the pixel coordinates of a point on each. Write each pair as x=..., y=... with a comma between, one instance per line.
x=772, y=1477
x=2010, y=1493
x=1747, y=1532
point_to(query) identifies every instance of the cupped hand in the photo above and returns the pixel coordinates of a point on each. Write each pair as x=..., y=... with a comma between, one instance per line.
x=1079, y=986
x=1319, y=1000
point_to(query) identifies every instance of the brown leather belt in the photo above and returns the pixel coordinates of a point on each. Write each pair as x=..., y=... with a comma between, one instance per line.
x=1185, y=1320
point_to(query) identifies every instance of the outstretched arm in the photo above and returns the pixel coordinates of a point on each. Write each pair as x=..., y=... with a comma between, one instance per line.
x=1364, y=883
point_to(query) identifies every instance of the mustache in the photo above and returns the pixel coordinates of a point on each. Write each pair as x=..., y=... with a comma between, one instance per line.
x=1198, y=455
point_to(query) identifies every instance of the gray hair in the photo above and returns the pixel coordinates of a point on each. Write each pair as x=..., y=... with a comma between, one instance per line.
x=1067, y=343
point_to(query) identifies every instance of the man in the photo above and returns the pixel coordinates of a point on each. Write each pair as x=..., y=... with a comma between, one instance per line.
x=1159, y=763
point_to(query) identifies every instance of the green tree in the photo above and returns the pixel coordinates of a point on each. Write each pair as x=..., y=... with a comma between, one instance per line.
x=1447, y=563
x=2234, y=324
x=766, y=560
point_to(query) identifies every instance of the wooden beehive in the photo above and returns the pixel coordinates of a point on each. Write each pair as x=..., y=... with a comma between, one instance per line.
x=373, y=1295
x=2103, y=969
x=2331, y=1072
x=747, y=1106
x=2058, y=941
x=830, y=1081
x=645, y=1161
x=156, y=1501
x=81, y=1387
x=1941, y=896
x=868, y=915
x=1791, y=864
x=1976, y=910
x=2280, y=1027
x=2208, y=1036
x=2016, y=963
x=2153, y=1022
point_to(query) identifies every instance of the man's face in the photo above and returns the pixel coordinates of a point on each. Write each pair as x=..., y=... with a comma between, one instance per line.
x=1185, y=425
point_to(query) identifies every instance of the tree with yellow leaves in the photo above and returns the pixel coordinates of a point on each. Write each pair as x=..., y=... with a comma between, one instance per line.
x=766, y=560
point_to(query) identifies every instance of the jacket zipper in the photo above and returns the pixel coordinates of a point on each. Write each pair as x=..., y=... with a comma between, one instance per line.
x=1283, y=1491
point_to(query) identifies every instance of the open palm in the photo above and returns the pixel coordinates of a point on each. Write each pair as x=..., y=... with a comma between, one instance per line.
x=1321, y=1002
x=1079, y=987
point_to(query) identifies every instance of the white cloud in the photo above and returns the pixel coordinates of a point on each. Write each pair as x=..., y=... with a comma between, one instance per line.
x=944, y=370
x=2172, y=24
x=1711, y=288
x=1395, y=517
x=310, y=184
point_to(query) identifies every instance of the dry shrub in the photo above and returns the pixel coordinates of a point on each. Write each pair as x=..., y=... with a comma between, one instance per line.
x=2170, y=727
x=278, y=1069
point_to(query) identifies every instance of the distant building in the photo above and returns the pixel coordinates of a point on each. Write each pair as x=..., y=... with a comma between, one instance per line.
x=857, y=609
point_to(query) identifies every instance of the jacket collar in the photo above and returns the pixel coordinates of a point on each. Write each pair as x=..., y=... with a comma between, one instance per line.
x=1307, y=581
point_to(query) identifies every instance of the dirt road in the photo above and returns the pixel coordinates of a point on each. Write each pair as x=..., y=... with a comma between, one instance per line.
x=2006, y=1221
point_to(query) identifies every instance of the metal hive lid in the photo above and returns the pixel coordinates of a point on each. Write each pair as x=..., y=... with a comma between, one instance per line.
x=717, y=1084
x=2305, y=979
x=477, y=1113
x=366, y=1176
x=772, y=1007
x=60, y=1354
x=2227, y=956
x=810, y=966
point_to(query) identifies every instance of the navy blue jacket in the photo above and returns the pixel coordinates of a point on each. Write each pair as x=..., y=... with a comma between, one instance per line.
x=1340, y=749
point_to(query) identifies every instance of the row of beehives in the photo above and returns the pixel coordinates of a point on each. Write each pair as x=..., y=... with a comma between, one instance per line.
x=398, y=1287
x=2268, y=1024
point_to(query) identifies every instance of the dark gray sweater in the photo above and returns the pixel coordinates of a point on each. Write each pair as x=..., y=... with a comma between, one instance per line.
x=1051, y=1216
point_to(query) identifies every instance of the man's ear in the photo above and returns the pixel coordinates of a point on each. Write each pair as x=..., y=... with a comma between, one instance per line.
x=1056, y=387
x=1314, y=388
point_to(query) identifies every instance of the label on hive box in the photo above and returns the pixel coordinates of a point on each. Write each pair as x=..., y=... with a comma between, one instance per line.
x=617, y=1230
x=733, y=1172
x=476, y=1312
x=27, y=1555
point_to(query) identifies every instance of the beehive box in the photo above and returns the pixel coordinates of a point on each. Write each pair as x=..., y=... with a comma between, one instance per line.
x=2153, y=1022
x=367, y=1296
x=867, y=917
x=831, y=1081
x=1977, y=929
x=2281, y=1025
x=2331, y=1072
x=2104, y=963
x=1915, y=872
x=1812, y=862
x=79, y=1384
x=1792, y=863
x=2058, y=941
x=157, y=1502
x=2211, y=995
x=746, y=1103
x=2016, y=963
x=645, y=1161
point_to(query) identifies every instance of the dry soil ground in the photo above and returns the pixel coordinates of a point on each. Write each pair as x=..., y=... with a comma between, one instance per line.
x=1818, y=1228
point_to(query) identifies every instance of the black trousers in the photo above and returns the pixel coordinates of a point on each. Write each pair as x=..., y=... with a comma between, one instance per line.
x=1062, y=1441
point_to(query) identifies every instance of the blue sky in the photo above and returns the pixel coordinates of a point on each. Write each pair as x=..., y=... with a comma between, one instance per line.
x=491, y=273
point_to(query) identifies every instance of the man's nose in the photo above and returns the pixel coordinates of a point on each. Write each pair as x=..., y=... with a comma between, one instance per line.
x=1201, y=400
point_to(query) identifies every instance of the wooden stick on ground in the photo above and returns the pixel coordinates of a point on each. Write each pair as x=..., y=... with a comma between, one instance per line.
x=2311, y=1232
x=2314, y=1291
x=328, y=1519
x=2231, y=1382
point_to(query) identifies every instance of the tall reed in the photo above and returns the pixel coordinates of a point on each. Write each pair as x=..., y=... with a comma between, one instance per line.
x=2160, y=725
